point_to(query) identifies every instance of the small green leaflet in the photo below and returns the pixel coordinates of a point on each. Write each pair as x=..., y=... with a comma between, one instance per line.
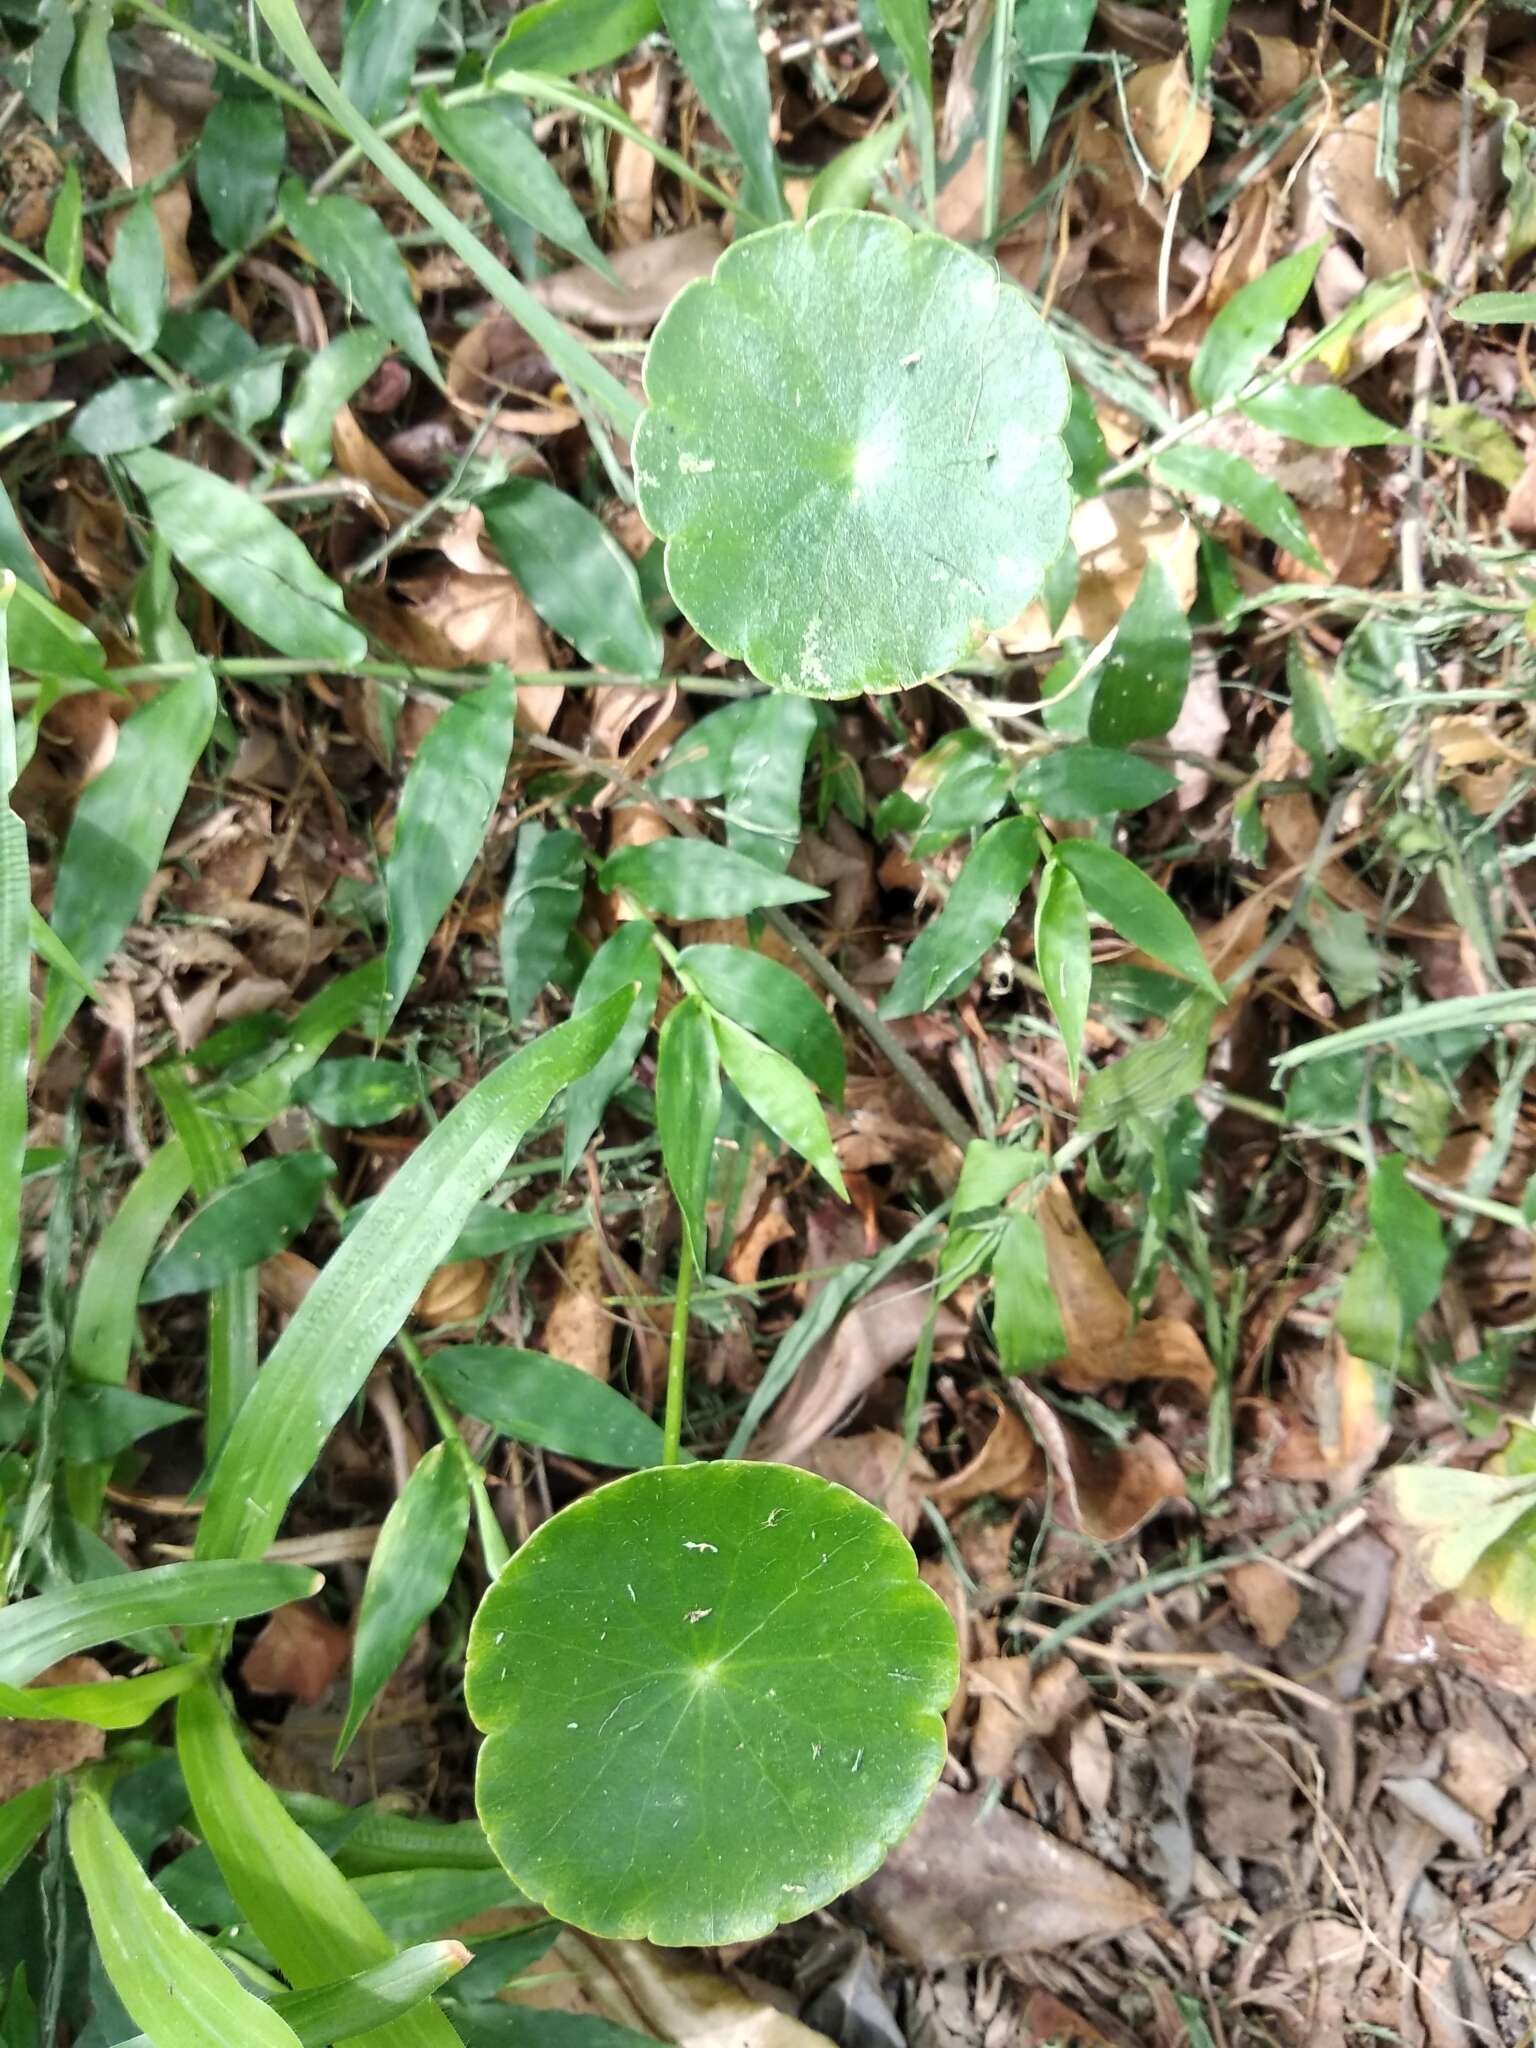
x=1136, y=908
x=781, y=1096
x=985, y=897
x=1141, y=691
x=1025, y=1319
x=688, y=1114
x=1409, y=1230
x=136, y=280
x=239, y=160
x=717, y=42
x=578, y=578
x=1084, y=781
x=563, y=37
x=1320, y=416
x=628, y=960
x=450, y=795
x=535, y=1399
x=349, y=242
x=541, y=904
x=511, y=169
x=95, y=88
x=327, y=381
x=690, y=878
x=258, y=570
x=250, y=1218
x=1064, y=957
x=408, y=1576
x=1250, y=325
x=1205, y=19
x=773, y=1004
x=1202, y=472
x=356, y=1093
x=378, y=53
x=763, y=778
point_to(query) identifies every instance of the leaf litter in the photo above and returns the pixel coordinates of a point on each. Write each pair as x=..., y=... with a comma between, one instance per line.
x=1249, y=1610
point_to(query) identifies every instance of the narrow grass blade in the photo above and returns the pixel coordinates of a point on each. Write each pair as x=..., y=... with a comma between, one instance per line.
x=365, y=1292
x=335, y=2012
x=296, y=1900
x=15, y=990
x=38, y=1632
x=170, y=1981
x=108, y=1703
x=22, y=1820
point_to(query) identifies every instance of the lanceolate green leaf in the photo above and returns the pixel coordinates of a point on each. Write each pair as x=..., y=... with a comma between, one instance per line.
x=781, y=1096
x=249, y=1218
x=717, y=42
x=1133, y=905
x=119, y=830
x=297, y=1902
x=449, y=798
x=567, y=36
x=1142, y=688
x=578, y=578
x=688, y=1115
x=357, y=1093
x=1064, y=957
x=763, y=778
x=104, y=1703
x=773, y=1004
x=908, y=24
x=411, y=1570
x=240, y=551
x=349, y=242
x=626, y=961
x=511, y=169
x=1251, y=323
x=689, y=878
x=15, y=986
x=22, y=1820
x=860, y=532
x=37, y=308
x=742, y=1648
x=539, y=1400
x=328, y=380
x=541, y=904
x=170, y=1981
x=1408, y=1228
x=1084, y=781
x=239, y=159
x=366, y=1290
x=95, y=88
x=136, y=279
x=38, y=1632
x=985, y=896
x=379, y=53
x=1206, y=19
x=1025, y=1319
x=1320, y=416
x=1213, y=473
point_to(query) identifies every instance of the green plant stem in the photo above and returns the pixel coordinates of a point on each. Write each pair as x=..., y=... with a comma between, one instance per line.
x=260, y=669
x=493, y=1545
x=998, y=98
x=677, y=1353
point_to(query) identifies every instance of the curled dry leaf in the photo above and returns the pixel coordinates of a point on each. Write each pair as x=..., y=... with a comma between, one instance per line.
x=1171, y=121
x=1017, y=1703
x=579, y=1328
x=1105, y=1490
x=153, y=147
x=877, y=1465
x=1266, y=1599
x=459, y=1293
x=877, y=1333
x=658, y=1991
x=650, y=277
x=1103, y=1347
x=1009, y=1465
x=298, y=1652
x=1115, y=537
x=970, y=1882
x=31, y=1751
x=495, y=369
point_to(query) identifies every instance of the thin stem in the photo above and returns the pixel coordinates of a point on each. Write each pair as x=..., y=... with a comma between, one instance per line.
x=677, y=1353
x=998, y=97
x=493, y=1545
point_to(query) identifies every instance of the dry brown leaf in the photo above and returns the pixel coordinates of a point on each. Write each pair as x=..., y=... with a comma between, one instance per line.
x=1246, y=248
x=1105, y=1490
x=877, y=1465
x=285, y=1279
x=1016, y=1702
x=1171, y=121
x=1047, y=2023
x=1338, y=187
x=1009, y=1465
x=486, y=618
x=877, y=1333
x=494, y=362
x=31, y=1751
x=667, y=1995
x=770, y=1226
x=650, y=277
x=969, y=1882
x=1103, y=1349
x=299, y=1651
x=392, y=497
x=456, y=1294
x=1115, y=536
x=1266, y=1599
x=633, y=176
x=579, y=1328
x=153, y=147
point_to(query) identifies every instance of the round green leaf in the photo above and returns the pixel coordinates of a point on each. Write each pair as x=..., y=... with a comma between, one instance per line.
x=739, y=1663
x=853, y=453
